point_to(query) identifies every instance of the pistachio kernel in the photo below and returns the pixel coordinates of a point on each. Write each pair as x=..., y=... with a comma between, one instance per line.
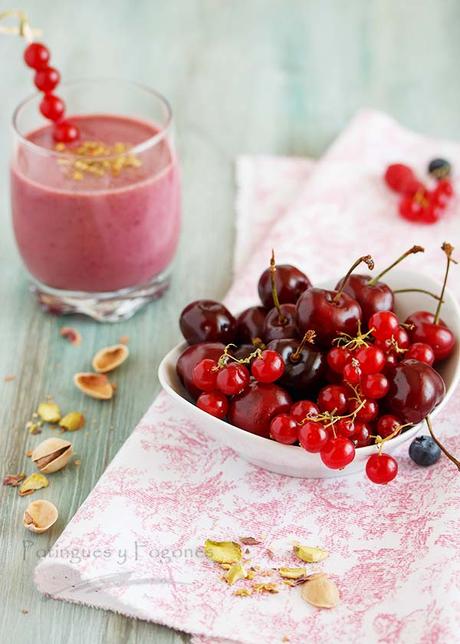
x=310, y=554
x=72, y=421
x=49, y=412
x=235, y=573
x=33, y=482
x=222, y=551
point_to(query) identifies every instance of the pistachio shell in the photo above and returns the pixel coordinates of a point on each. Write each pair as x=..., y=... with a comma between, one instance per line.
x=96, y=385
x=52, y=455
x=222, y=551
x=49, y=412
x=72, y=421
x=33, y=482
x=320, y=591
x=235, y=573
x=110, y=358
x=40, y=516
x=309, y=554
x=292, y=573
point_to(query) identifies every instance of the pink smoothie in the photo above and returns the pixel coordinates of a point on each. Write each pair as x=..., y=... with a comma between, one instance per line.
x=96, y=233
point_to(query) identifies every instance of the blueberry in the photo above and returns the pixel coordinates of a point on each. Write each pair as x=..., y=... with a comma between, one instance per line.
x=424, y=451
x=439, y=168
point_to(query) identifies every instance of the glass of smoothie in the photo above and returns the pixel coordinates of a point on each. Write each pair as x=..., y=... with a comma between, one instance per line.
x=97, y=221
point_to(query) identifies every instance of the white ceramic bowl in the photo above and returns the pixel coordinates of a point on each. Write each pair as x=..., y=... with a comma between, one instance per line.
x=295, y=461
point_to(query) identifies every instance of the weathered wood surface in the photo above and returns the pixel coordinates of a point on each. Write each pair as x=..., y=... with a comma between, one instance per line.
x=243, y=76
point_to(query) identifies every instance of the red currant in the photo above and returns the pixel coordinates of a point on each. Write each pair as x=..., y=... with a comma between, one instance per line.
x=345, y=427
x=371, y=359
x=268, y=367
x=36, y=55
x=442, y=193
x=47, y=79
x=402, y=338
x=232, y=379
x=383, y=324
x=204, y=374
x=352, y=372
x=65, y=132
x=381, y=468
x=338, y=453
x=362, y=434
x=52, y=107
x=374, y=385
x=422, y=352
x=313, y=436
x=333, y=398
x=214, y=403
x=387, y=425
x=400, y=178
x=410, y=208
x=337, y=358
x=368, y=411
x=303, y=408
x=284, y=429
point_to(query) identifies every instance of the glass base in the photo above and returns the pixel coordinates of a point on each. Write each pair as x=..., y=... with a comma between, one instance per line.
x=103, y=307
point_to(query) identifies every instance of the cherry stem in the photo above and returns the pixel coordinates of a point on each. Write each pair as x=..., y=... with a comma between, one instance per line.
x=411, y=251
x=418, y=290
x=308, y=337
x=366, y=259
x=448, y=250
x=443, y=449
x=282, y=318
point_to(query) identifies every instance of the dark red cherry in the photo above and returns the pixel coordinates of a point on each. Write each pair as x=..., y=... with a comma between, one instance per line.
x=250, y=324
x=371, y=297
x=280, y=323
x=207, y=321
x=438, y=336
x=254, y=409
x=328, y=313
x=415, y=389
x=304, y=369
x=290, y=283
x=191, y=357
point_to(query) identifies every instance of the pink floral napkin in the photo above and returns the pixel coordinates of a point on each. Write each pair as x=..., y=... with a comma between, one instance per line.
x=135, y=544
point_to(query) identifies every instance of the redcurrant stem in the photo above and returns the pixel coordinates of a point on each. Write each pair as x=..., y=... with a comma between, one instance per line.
x=23, y=29
x=282, y=318
x=394, y=433
x=411, y=251
x=308, y=337
x=226, y=356
x=443, y=449
x=366, y=259
x=418, y=290
x=448, y=250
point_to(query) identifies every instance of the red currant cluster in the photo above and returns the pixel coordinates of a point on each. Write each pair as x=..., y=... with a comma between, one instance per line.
x=46, y=79
x=329, y=370
x=228, y=376
x=419, y=203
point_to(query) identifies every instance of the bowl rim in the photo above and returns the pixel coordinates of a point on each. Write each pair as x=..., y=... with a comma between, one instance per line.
x=170, y=359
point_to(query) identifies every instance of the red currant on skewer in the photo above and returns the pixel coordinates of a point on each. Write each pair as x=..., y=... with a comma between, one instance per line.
x=36, y=55
x=52, y=107
x=313, y=436
x=284, y=429
x=268, y=367
x=338, y=453
x=214, y=403
x=232, y=379
x=65, y=132
x=47, y=79
x=381, y=468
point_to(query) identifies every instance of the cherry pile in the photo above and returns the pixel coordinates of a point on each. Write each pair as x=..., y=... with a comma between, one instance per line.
x=419, y=203
x=46, y=79
x=329, y=370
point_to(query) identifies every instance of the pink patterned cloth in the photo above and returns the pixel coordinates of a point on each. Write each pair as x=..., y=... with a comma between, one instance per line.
x=133, y=547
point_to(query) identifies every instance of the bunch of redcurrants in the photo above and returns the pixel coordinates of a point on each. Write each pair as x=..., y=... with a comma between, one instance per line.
x=418, y=203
